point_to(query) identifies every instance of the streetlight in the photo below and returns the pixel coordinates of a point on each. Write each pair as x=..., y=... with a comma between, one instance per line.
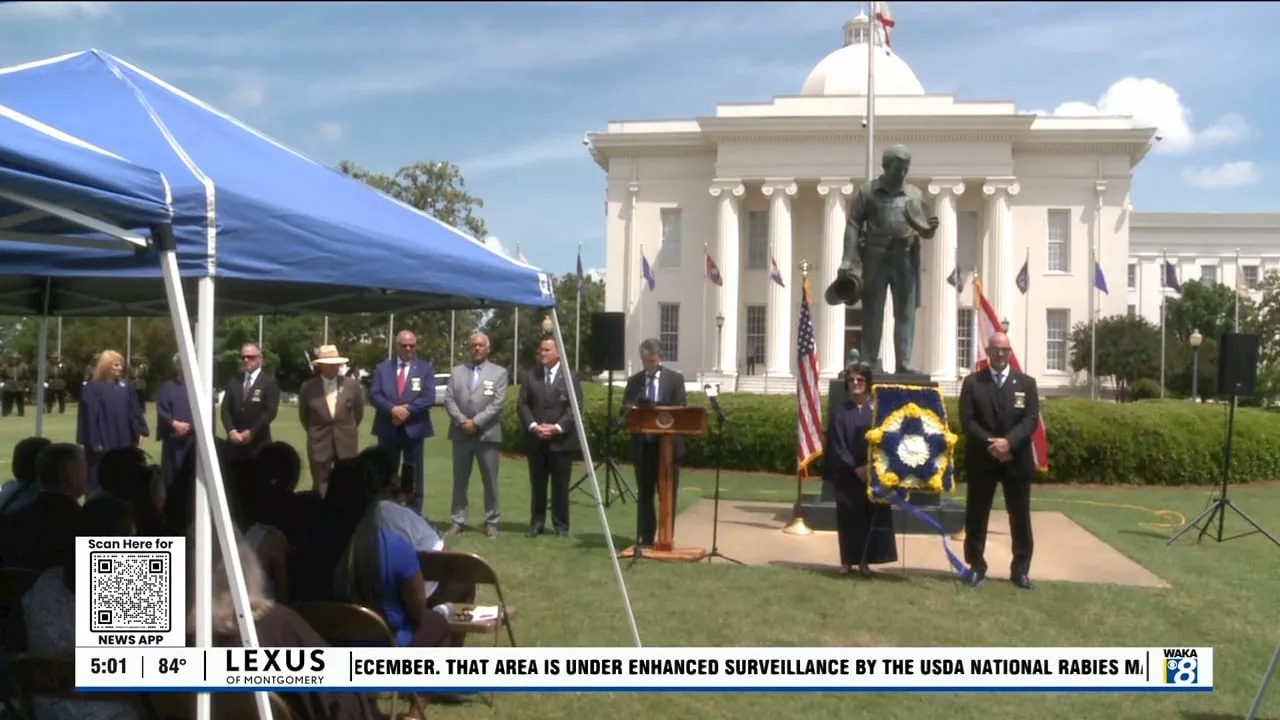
x=1195, y=340
x=719, y=339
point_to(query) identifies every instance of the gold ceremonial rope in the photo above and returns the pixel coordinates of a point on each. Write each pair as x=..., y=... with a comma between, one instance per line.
x=797, y=526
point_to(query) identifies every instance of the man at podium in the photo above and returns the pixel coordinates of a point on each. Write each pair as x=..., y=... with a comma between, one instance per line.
x=654, y=385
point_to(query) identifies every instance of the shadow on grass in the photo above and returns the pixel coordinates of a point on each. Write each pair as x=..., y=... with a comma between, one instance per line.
x=886, y=573
x=1219, y=716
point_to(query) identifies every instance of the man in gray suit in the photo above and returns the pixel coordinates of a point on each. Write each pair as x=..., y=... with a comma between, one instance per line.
x=476, y=393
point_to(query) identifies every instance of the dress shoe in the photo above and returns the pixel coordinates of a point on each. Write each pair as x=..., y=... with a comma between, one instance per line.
x=1022, y=582
x=454, y=529
x=533, y=531
x=562, y=532
x=491, y=531
x=978, y=580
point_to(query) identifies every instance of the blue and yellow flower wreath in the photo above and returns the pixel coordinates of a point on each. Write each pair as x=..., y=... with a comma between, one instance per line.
x=911, y=447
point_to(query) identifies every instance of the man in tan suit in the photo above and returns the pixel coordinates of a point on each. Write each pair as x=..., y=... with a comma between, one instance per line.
x=330, y=407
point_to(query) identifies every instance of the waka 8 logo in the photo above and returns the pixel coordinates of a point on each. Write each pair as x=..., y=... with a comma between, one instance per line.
x=1181, y=667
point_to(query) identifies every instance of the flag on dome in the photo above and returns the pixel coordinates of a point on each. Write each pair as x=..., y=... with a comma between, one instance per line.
x=881, y=13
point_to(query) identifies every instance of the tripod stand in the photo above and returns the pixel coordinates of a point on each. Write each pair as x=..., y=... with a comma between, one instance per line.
x=1217, y=509
x=715, y=511
x=614, y=482
x=1262, y=689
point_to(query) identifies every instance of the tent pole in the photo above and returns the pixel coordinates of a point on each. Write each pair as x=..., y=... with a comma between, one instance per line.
x=42, y=372
x=128, y=344
x=59, y=350
x=595, y=484
x=210, y=492
x=391, y=335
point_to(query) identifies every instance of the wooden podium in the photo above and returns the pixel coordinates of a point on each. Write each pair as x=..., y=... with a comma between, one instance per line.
x=666, y=423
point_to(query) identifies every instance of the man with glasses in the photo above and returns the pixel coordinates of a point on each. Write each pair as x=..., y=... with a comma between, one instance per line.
x=249, y=406
x=402, y=393
x=655, y=384
x=999, y=408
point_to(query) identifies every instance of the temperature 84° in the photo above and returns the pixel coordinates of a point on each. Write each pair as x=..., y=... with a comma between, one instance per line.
x=172, y=665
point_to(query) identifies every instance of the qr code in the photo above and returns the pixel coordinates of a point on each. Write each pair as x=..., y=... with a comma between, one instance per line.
x=130, y=592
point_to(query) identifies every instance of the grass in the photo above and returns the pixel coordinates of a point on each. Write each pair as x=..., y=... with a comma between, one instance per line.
x=1222, y=596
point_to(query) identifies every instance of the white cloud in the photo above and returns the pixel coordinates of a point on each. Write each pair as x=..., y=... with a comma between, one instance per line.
x=1220, y=177
x=56, y=10
x=249, y=94
x=331, y=131
x=548, y=149
x=1155, y=104
x=595, y=274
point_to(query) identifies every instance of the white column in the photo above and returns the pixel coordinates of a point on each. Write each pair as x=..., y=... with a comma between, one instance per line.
x=942, y=310
x=632, y=289
x=728, y=193
x=830, y=319
x=998, y=285
x=780, y=192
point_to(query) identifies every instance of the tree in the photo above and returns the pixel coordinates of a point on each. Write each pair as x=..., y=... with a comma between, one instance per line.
x=1209, y=309
x=1268, y=329
x=499, y=326
x=1128, y=350
x=438, y=189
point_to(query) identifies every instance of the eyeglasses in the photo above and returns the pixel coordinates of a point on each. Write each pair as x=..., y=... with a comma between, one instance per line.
x=249, y=357
x=408, y=345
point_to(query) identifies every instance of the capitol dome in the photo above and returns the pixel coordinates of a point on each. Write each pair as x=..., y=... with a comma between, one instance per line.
x=844, y=72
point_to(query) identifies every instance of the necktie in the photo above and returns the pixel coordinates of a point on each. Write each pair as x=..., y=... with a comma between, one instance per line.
x=475, y=376
x=551, y=376
x=331, y=396
x=999, y=379
x=652, y=390
x=248, y=384
x=400, y=381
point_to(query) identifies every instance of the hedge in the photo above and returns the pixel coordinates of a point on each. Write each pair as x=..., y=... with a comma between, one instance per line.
x=1152, y=442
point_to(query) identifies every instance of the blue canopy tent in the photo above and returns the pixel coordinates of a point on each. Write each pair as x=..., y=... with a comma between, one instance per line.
x=278, y=231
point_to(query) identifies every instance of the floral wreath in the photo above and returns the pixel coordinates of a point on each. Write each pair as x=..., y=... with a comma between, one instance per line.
x=912, y=448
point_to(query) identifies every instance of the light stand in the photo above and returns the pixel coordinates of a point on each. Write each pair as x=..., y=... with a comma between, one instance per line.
x=1262, y=688
x=712, y=393
x=719, y=342
x=1195, y=340
x=614, y=481
x=1219, y=506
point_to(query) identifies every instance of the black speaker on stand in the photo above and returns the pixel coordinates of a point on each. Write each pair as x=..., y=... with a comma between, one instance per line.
x=1237, y=376
x=608, y=353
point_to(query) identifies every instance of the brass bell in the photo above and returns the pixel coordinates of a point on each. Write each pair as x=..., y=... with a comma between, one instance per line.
x=846, y=289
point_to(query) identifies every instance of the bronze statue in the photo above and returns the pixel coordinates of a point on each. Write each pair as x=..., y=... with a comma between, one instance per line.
x=887, y=220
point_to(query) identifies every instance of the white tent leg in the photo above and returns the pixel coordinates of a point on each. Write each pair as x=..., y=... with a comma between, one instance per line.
x=595, y=485
x=42, y=372
x=210, y=497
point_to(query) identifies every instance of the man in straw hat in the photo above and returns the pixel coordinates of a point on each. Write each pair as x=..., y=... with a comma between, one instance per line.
x=330, y=407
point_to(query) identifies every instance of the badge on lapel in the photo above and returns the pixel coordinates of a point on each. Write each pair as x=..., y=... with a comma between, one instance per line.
x=488, y=387
x=1019, y=400
x=416, y=385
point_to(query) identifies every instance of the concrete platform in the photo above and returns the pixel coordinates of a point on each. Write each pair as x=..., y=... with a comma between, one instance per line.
x=1065, y=552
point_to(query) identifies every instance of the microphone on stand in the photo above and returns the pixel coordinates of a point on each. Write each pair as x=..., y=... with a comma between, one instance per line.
x=712, y=393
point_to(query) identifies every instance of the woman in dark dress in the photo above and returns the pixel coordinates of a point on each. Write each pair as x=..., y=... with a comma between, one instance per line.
x=109, y=415
x=864, y=528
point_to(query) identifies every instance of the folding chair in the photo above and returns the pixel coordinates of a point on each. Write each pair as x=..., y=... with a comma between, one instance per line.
x=464, y=567
x=350, y=625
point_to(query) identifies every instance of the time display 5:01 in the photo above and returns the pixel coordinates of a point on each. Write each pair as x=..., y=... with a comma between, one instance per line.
x=108, y=666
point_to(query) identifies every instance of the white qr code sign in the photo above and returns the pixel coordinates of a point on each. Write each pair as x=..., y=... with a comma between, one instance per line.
x=137, y=591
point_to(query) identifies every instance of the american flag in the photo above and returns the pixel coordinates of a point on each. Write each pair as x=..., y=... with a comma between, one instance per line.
x=988, y=324
x=808, y=392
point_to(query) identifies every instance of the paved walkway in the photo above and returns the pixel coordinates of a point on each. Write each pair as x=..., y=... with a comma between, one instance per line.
x=752, y=533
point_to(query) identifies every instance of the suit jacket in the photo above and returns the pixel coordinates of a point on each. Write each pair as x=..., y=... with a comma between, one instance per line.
x=331, y=437
x=482, y=404
x=419, y=394
x=670, y=392
x=254, y=413
x=1009, y=411
x=542, y=403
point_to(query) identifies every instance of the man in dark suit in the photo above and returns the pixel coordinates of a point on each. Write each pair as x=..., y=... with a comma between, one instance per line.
x=999, y=408
x=654, y=385
x=402, y=392
x=249, y=406
x=550, y=437
x=330, y=408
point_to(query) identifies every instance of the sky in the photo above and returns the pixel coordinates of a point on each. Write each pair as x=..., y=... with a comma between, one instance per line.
x=507, y=91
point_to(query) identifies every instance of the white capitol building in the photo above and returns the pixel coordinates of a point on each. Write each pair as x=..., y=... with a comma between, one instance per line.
x=774, y=179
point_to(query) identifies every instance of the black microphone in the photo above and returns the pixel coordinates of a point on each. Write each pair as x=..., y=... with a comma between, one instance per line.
x=713, y=396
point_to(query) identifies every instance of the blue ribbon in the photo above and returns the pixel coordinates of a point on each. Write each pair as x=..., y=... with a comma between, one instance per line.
x=898, y=498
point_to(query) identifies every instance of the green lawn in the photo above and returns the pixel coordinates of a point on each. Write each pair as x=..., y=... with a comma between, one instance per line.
x=1224, y=596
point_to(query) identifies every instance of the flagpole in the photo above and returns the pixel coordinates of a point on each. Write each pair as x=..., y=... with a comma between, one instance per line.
x=1093, y=325
x=577, y=324
x=871, y=92
x=640, y=300
x=128, y=342
x=1026, y=316
x=1237, y=293
x=391, y=334
x=515, y=326
x=1164, y=279
x=706, y=253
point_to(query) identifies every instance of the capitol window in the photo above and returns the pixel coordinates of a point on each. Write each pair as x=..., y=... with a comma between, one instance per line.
x=1059, y=249
x=1058, y=334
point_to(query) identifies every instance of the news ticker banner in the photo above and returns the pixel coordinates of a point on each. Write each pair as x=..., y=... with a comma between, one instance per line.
x=647, y=670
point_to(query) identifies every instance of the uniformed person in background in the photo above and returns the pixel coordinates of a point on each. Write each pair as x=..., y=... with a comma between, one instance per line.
x=138, y=372
x=88, y=370
x=16, y=386
x=57, y=388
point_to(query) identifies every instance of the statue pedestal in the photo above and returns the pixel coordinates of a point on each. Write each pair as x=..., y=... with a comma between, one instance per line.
x=819, y=509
